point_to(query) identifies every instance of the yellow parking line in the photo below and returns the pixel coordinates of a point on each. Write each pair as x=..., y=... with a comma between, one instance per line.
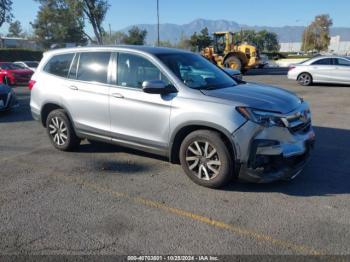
x=199, y=218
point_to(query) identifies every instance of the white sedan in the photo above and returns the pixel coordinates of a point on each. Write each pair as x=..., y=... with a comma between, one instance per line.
x=321, y=69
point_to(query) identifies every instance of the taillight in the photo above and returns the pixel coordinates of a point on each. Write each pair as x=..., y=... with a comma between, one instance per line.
x=31, y=84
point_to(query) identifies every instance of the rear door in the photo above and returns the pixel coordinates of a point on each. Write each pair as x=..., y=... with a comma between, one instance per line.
x=88, y=92
x=138, y=118
x=342, y=71
x=322, y=70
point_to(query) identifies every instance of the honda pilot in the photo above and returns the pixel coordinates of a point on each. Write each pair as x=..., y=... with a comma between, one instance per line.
x=175, y=104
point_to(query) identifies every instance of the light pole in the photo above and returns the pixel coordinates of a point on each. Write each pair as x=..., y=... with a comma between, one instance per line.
x=158, y=37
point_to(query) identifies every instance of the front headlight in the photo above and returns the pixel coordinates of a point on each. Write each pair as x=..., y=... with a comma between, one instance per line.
x=264, y=118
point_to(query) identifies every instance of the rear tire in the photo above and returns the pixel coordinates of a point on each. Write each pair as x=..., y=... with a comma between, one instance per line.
x=61, y=131
x=233, y=62
x=305, y=79
x=206, y=159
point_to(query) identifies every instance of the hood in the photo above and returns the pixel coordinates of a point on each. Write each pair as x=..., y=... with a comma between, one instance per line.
x=4, y=89
x=258, y=96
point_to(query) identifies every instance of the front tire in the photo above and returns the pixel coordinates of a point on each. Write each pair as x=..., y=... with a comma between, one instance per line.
x=61, y=132
x=233, y=62
x=206, y=159
x=305, y=79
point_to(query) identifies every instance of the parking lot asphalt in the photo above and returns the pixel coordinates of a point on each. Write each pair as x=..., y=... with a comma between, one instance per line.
x=111, y=200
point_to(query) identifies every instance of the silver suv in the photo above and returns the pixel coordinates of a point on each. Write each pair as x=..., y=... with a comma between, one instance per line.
x=176, y=104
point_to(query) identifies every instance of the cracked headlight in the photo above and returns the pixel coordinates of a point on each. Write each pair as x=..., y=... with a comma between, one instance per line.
x=264, y=118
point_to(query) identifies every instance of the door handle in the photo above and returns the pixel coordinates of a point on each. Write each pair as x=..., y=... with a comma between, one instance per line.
x=117, y=95
x=73, y=87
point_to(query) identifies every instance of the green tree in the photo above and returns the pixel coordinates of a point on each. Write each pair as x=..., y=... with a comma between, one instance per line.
x=166, y=44
x=95, y=12
x=316, y=35
x=5, y=11
x=200, y=41
x=114, y=38
x=264, y=40
x=135, y=36
x=15, y=29
x=267, y=41
x=184, y=43
x=56, y=23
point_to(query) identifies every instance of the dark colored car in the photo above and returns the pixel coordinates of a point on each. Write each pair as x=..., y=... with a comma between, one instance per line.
x=7, y=98
x=12, y=74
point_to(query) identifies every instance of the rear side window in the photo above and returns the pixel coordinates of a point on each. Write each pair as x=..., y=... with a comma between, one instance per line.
x=342, y=62
x=325, y=61
x=59, y=65
x=93, y=67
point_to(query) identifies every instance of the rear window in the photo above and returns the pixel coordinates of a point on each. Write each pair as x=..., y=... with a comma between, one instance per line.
x=59, y=65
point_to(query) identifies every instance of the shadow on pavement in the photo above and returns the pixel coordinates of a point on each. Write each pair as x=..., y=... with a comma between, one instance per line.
x=100, y=147
x=125, y=167
x=20, y=114
x=327, y=173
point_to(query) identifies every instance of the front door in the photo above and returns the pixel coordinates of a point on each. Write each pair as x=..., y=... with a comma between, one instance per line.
x=139, y=118
x=322, y=70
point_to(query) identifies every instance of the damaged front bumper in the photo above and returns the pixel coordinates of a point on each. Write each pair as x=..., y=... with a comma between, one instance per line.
x=274, y=153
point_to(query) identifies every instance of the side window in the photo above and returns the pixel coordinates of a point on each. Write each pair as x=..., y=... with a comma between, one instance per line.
x=134, y=69
x=93, y=67
x=342, y=62
x=59, y=65
x=325, y=61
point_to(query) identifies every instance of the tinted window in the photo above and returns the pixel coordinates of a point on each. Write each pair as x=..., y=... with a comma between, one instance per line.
x=133, y=70
x=93, y=66
x=59, y=65
x=326, y=61
x=342, y=62
x=196, y=72
x=10, y=66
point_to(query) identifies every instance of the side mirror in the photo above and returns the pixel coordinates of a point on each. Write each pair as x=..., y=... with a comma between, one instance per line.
x=157, y=87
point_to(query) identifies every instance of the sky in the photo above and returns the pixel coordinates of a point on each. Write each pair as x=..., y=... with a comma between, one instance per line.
x=123, y=13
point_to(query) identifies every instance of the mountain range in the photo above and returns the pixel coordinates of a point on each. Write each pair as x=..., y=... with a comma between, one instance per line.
x=173, y=32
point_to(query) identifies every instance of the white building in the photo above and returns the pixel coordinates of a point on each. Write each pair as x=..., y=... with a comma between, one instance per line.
x=17, y=42
x=336, y=46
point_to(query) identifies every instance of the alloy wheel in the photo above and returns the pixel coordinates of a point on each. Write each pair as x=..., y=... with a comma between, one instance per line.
x=58, y=131
x=203, y=160
x=305, y=79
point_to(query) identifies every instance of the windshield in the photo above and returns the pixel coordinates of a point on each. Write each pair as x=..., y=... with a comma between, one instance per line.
x=10, y=66
x=196, y=72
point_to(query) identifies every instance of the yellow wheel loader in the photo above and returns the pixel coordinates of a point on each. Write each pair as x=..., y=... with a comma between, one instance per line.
x=225, y=53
